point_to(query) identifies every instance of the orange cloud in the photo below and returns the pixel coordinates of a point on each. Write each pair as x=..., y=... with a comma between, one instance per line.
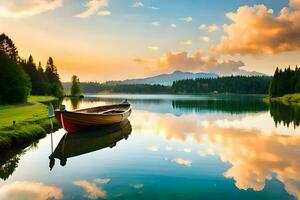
x=256, y=30
x=181, y=161
x=91, y=189
x=27, y=190
x=172, y=61
x=92, y=7
x=27, y=8
x=294, y=4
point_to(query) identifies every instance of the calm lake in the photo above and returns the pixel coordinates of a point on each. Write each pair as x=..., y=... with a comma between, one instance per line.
x=172, y=147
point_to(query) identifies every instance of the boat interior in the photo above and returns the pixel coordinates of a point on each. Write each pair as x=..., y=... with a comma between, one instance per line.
x=111, y=109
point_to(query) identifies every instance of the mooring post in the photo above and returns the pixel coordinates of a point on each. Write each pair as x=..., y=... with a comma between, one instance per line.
x=51, y=115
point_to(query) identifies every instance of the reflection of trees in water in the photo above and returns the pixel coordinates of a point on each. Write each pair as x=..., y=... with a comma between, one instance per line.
x=9, y=160
x=288, y=114
x=133, y=101
x=229, y=106
x=75, y=102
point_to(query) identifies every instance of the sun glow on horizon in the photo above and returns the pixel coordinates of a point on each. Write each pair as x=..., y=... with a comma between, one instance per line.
x=100, y=40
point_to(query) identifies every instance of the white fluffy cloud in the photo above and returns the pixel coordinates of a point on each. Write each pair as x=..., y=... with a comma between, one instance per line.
x=213, y=28
x=156, y=23
x=185, y=162
x=187, y=19
x=204, y=38
x=257, y=30
x=137, y=4
x=92, y=7
x=27, y=8
x=202, y=27
x=154, y=8
x=209, y=28
x=104, y=13
x=153, y=48
x=187, y=42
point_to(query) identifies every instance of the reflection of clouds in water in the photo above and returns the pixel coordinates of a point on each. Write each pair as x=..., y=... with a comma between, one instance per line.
x=168, y=148
x=137, y=186
x=187, y=150
x=154, y=148
x=190, y=123
x=25, y=190
x=254, y=153
x=255, y=157
x=92, y=190
x=181, y=161
x=101, y=181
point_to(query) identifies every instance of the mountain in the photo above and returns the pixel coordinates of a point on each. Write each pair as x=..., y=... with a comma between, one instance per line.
x=166, y=79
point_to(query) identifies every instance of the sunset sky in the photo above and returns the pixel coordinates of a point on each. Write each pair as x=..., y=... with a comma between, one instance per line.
x=101, y=40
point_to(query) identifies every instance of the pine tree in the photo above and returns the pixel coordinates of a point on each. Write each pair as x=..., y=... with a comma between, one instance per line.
x=15, y=85
x=55, y=86
x=273, y=85
x=75, y=89
x=8, y=47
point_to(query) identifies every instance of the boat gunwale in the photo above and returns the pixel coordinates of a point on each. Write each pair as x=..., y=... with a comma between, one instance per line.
x=97, y=114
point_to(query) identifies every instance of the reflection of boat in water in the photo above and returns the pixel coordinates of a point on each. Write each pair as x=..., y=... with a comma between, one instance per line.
x=72, y=145
x=76, y=120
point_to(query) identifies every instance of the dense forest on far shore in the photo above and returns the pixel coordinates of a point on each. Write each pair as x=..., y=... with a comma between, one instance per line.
x=286, y=81
x=94, y=87
x=231, y=84
x=20, y=78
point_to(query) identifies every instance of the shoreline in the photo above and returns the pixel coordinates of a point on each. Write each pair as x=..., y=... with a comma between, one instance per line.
x=288, y=98
x=31, y=122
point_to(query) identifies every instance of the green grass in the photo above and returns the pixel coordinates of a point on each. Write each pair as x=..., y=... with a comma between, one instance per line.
x=29, y=112
x=31, y=121
x=288, y=98
x=292, y=97
x=33, y=99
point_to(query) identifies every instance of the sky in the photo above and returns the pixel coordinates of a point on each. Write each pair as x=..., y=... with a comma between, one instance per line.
x=100, y=40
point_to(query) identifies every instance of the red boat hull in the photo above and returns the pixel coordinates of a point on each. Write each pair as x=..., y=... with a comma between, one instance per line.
x=73, y=121
x=68, y=125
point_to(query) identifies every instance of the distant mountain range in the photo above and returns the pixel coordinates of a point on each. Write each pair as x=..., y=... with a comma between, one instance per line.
x=166, y=79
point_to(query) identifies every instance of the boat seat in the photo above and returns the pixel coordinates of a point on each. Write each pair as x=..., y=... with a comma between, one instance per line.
x=104, y=112
x=112, y=111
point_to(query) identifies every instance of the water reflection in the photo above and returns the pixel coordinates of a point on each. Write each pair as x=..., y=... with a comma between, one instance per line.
x=9, y=160
x=180, y=104
x=93, y=189
x=198, y=148
x=72, y=145
x=285, y=113
x=255, y=155
x=75, y=102
x=27, y=190
x=228, y=106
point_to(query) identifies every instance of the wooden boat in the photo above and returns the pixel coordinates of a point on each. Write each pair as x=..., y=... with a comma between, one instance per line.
x=73, y=121
x=72, y=145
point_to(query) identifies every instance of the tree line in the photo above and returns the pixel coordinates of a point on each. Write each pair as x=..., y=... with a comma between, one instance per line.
x=95, y=87
x=20, y=77
x=286, y=115
x=286, y=81
x=231, y=84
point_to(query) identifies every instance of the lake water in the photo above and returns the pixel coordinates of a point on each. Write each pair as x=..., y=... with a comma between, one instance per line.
x=172, y=147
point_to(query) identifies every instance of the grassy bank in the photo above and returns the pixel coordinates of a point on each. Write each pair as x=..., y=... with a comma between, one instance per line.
x=31, y=122
x=291, y=98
